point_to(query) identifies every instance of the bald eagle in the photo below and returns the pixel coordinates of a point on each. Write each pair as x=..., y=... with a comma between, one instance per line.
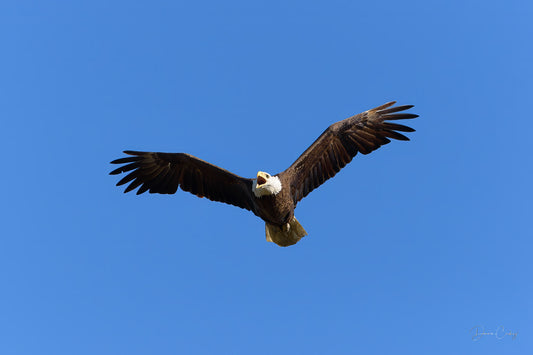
x=273, y=198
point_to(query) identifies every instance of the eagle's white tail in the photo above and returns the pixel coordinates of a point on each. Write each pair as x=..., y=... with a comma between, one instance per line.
x=286, y=235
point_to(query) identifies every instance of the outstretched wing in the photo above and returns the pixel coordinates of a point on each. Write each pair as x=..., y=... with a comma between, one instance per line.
x=340, y=142
x=164, y=172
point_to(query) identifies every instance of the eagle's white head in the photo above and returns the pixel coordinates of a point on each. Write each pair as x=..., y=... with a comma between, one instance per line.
x=265, y=184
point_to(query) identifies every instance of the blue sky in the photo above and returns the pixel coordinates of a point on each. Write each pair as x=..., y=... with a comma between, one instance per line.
x=408, y=248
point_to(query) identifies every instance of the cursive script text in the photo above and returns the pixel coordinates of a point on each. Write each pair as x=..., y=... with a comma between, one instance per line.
x=500, y=333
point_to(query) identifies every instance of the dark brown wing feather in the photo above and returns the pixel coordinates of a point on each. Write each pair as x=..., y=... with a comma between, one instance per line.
x=337, y=146
x=164, y=172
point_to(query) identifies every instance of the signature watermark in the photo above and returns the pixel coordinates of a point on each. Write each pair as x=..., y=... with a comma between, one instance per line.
x=479, y=332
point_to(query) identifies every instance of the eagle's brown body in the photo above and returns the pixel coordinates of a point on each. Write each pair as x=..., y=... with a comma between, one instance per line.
x=275, y=209
x=265, y=196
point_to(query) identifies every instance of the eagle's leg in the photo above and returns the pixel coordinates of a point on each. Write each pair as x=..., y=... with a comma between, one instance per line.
x=286, y=227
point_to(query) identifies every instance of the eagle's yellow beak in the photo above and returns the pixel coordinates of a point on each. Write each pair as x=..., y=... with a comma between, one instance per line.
x=262, y=178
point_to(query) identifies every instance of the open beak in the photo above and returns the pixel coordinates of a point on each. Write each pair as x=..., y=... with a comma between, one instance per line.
x=261, y=178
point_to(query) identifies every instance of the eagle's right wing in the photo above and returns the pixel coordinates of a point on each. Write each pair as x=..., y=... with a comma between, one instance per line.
x=164, y=172
x=340, y=142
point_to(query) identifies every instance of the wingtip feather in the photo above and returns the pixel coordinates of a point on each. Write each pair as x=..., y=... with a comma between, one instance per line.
x=132, y=152
x=384, y=106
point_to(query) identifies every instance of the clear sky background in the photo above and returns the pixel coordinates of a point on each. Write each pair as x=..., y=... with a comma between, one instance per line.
x=408, y=248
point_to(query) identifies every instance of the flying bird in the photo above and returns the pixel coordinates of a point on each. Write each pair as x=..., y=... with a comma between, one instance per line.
x=273, y=198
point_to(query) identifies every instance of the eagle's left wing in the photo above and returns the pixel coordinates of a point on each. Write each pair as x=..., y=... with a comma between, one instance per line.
x=340, y=142
x=164, y=172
